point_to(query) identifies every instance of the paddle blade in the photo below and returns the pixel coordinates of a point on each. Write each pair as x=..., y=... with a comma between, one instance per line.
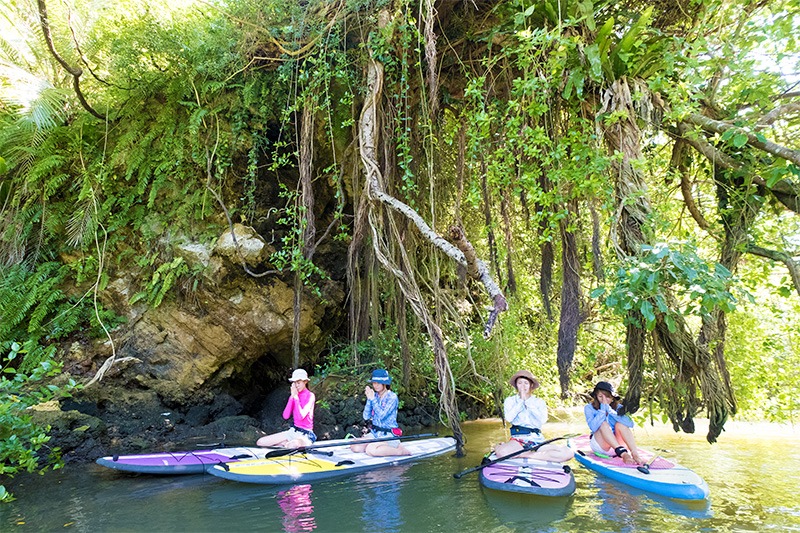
x=281, y=453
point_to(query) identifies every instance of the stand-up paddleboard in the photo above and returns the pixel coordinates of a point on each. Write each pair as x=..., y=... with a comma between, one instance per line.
x=660, y=476
x=528, y=476
x=305, y=466
x=192, y=462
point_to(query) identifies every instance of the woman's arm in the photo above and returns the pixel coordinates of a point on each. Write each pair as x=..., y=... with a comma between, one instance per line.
x=287, y=411
x=595, y=417
x=389, y=405
x=538, y=409
x=308, y=407
x=512, y=407
x=614, y=418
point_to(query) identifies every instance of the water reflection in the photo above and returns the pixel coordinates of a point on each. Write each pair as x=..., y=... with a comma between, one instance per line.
x=380, y=490
x=298, y=511
x=752, y=489
x=527, y=512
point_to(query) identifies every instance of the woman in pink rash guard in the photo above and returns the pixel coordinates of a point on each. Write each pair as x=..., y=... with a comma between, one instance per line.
x=300, y=408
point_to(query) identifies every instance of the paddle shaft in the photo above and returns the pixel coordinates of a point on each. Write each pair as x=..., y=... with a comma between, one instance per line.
x=286, y=451
x=509, y=456
x=645, y=469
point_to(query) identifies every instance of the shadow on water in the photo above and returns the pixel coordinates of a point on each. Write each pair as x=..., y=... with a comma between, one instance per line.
x=526, y=512
x=348, y=503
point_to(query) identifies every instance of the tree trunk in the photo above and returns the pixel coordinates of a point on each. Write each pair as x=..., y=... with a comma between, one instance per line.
x=694, y=362
x=571, y=316
x=511, y=284
x=487, y=218
x=548, y=255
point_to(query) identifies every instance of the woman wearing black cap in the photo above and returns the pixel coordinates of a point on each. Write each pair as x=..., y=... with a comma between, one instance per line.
x=611, y=428
x=527, y=414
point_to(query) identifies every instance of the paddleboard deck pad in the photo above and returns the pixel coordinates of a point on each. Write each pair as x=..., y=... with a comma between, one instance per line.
x=306, y=466
x=529, y=476
x=191, y=462
x=664, y=477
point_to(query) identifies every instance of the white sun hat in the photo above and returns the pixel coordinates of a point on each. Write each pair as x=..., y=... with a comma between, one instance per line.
x=298, y=375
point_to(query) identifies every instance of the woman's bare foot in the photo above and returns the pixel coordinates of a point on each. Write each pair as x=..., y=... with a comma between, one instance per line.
x=628, y=459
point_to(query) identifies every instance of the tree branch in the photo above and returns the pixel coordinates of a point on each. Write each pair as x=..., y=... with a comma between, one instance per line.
x=717, y=126
x=785, y=191
x=75, y=71
x=778, y=112
x=678, y=162
x=783, y=257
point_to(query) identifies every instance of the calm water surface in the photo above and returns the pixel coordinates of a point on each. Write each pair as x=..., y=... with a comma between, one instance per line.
x=754, y=485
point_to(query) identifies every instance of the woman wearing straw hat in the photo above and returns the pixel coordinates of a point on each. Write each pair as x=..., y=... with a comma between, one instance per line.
x=300, y=408
x=381, y=411
x=527, y=414
x=611, y=428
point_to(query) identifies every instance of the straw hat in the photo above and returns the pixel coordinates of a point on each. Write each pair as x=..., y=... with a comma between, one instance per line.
x=524, y=374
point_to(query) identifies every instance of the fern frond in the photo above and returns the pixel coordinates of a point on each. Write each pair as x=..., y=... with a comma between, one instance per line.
x=82, y=223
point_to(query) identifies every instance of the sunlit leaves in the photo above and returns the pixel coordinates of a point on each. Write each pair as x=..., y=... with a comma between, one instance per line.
x=21, y=439
x=644, y=285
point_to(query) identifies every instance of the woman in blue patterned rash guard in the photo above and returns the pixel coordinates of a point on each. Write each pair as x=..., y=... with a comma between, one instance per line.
x=381, y=410
x=527, y=414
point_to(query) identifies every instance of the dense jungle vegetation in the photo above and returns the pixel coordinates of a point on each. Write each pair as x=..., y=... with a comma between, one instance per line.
x=583, y=188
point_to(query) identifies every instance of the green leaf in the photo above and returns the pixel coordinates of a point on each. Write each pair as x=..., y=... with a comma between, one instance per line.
x=598, y=292
x=595, y=63
x=647, y=312
x=586, y=9
x=739, y=140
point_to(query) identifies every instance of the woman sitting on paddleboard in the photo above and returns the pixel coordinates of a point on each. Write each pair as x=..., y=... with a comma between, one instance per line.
x=527, y=414
x=381, y=409
x=300, y=408
x=611, y=428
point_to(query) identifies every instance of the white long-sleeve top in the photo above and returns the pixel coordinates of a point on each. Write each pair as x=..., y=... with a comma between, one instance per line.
x=531, y=413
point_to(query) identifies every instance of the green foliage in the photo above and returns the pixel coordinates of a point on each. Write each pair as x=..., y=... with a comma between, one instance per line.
x=163, y=279
x=23, y=444
x=763, y=337
x=33, y=307
x=383, y=351
x=204, y=101
x=291, y=256
x=640, y=285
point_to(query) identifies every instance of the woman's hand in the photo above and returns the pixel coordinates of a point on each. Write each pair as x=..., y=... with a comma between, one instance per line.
x=369, y=392
x=293, y=391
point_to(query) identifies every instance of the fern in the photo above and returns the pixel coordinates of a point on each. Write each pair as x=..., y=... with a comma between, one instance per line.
x=35, y=311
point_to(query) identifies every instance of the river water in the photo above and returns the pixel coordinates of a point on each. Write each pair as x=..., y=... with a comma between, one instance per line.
x=753, y=473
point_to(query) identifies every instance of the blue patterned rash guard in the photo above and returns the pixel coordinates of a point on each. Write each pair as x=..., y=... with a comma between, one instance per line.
x=382, y=410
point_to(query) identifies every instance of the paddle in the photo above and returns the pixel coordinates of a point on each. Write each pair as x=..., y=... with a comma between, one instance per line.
x=530, y=447
x=286, y=451
x=645, y=469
